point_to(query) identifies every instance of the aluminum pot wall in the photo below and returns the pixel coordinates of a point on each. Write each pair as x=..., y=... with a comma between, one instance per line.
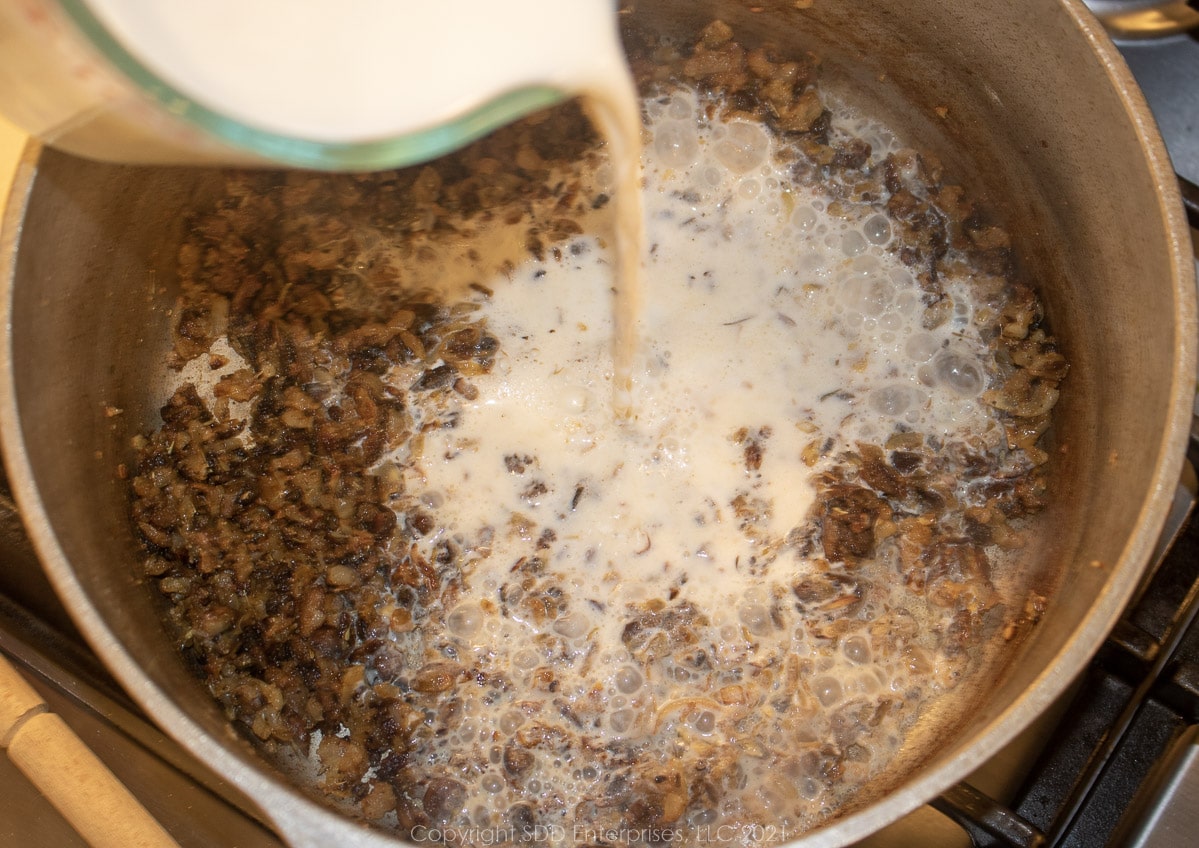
x=1025, y=100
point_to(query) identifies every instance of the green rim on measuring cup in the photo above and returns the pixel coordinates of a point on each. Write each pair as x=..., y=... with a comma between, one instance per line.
x=409, y=149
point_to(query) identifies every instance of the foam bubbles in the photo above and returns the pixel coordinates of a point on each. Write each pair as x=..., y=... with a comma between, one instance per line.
x=681, y=109
x=877, y=230
x=743, y=147
x=511, y=722
x=866, y=295
x=621, y=721
x=525, y=659
x=749, y=189
x=828, y=690
x=853, y=243
x=573, y=625
x=893, y=400
x=628, y=680
x=675, y=144
x=864, y=266
x=921, y=347
x=465, y=620
x=964, y=375
x=756, y=619
x=856, y=650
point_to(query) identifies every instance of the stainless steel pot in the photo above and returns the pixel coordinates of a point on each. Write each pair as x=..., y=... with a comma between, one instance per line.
x=1027, y=97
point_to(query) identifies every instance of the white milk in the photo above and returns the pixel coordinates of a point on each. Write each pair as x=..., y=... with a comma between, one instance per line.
x=343, y=72
x=763, y=312
x=764, y=316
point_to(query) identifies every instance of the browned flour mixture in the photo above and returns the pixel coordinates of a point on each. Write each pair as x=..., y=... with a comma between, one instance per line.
x=342, y=336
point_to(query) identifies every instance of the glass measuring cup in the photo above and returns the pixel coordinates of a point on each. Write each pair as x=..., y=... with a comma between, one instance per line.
x=69, y=78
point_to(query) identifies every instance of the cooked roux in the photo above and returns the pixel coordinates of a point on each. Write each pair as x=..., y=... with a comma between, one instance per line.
x=405, y=532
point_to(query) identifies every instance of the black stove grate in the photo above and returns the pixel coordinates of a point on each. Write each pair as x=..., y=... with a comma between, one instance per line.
x=1096, y=779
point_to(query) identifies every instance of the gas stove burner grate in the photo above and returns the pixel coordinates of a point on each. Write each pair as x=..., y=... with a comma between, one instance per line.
x=1143, y=19
x=1125, y=760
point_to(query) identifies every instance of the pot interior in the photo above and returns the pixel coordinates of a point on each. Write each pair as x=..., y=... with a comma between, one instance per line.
x=1012, y=99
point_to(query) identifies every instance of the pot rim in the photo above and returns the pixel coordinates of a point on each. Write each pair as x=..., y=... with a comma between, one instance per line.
x=304, y=822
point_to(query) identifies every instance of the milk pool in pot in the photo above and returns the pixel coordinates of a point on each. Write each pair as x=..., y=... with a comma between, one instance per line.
x=763, y=311
x=773, y=330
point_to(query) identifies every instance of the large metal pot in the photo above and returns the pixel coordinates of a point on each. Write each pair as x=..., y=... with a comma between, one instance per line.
x=1028, y=97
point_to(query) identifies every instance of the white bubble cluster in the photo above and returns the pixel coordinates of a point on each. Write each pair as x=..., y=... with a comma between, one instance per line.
x=916, y=373
x=741, y=146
